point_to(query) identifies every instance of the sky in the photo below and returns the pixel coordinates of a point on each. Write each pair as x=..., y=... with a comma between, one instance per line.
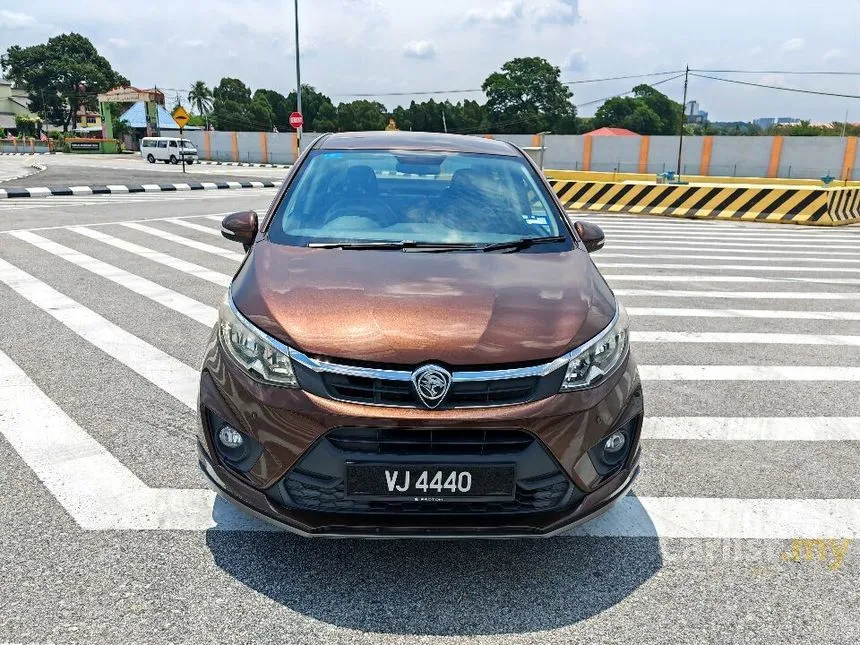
x=378, y=47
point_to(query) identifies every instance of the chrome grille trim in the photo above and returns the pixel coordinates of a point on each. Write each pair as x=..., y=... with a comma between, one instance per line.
x=401, y=375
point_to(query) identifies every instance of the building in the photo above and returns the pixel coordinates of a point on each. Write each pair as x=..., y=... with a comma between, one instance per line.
x=87, y=121
x=692, y=113
x=765, y=123
x=13, y=102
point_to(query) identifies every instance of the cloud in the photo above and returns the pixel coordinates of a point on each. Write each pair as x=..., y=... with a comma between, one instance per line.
x=793, y=45
x=575, y=61
x=558, y=12
x=422, y=49
x=193, y=44
x=119, y=43
x=14, y=20
x=507, y=13
x=832, y=54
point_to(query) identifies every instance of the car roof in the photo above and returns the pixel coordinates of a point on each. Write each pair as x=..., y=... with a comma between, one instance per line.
x=393, y=140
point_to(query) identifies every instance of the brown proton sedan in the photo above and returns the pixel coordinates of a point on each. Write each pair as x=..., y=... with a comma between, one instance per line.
x=418, y=344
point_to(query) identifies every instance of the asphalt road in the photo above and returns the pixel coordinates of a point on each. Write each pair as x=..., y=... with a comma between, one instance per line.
x=748, y=338
x=86, y=170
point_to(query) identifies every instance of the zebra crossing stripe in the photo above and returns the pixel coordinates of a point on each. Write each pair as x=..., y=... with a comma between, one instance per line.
x=168, y=373
x=94, y=487
x=719, y=247
x=748, y=373
x=184, y=241
x=742, y=313
x=736, y=338
x=724, y=267
x=735, y=258
x=103, y=495
x=738, y=279
x=221, y=279
x=752, y=428
x=194, y=227
x=178, y=302
x=734, y=295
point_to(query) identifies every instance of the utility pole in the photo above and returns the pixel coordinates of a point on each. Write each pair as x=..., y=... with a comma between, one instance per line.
x=298, y=80
x=683, y=121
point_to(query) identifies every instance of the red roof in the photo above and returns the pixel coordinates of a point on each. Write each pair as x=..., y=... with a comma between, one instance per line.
x=611, y=132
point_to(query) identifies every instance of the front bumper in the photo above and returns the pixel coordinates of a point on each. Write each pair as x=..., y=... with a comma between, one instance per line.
x=290, y=425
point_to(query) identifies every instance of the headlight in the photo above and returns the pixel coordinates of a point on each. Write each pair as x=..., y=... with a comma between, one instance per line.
x=263, y=357
x=590, y=363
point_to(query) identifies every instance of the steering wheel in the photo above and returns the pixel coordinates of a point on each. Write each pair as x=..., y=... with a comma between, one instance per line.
x=377, y=210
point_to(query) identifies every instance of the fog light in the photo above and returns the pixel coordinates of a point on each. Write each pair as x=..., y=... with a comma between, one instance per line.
x=230, y=438
x=614, y=442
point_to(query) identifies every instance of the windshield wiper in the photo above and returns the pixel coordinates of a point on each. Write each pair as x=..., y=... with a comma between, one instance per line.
x=523, y=243
x=404, y=245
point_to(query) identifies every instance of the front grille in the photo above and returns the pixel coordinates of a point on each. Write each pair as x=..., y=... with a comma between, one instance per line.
x=319, y=493
x=317, y=482
x=435, y=441
x=360, y=389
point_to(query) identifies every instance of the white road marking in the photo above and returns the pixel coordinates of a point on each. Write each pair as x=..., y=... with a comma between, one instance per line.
x=743, y=313
x=170, y=374
x=752, y=428
x=98, y=491
x=739, y=338
x=103, y=495
x=184, y=241
x=633, y=277
x=215, y=277
x=204, y=314
x=735, y=295
x=727, y=267
x=198, y=227
x=733, y=258
x=721, y=518
x=717, y=247
x=748, y=373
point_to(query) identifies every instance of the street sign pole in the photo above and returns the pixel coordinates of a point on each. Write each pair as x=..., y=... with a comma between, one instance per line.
x=181, y=117
x=298, y=80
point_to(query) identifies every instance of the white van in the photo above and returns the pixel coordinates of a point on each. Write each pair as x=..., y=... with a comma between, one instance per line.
x=167, y=149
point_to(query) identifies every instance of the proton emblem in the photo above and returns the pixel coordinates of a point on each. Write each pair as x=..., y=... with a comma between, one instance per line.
x=431, y=384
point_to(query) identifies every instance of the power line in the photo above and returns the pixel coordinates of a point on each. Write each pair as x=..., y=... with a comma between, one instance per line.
x=431, y=92
x=774, y=71
x=603, y=100
x=776, y=87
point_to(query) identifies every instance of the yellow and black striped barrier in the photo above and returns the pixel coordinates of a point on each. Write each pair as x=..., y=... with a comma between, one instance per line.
x=781, y=204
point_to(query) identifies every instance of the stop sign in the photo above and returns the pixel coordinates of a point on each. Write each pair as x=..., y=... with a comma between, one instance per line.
x=296, y=120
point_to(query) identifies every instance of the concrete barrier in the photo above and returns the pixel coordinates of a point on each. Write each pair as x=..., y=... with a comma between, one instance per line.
x=739, y=202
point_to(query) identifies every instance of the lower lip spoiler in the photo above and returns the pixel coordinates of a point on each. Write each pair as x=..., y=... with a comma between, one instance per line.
x=216, y=484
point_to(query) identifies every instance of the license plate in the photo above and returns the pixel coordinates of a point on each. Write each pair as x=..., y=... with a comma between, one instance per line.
x=430, y=483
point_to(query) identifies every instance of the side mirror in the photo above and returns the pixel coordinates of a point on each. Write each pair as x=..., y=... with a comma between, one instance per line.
x=240, y=227
x=591, y=235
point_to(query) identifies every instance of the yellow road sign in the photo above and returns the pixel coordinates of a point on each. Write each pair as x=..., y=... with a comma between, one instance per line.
x=181, y=116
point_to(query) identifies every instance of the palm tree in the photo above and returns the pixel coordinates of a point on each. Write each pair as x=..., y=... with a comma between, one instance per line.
x=200, y=97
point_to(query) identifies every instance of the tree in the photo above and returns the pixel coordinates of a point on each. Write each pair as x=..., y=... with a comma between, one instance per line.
x=61, y=75
x=527, y=96
x=646, y=112
x=668, y=111
x=312, y=103
x=361, y=115
x=326, y=119
x=231, y=105
x=200, y=98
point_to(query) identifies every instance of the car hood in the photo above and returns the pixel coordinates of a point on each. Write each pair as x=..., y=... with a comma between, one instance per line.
x=460, y=309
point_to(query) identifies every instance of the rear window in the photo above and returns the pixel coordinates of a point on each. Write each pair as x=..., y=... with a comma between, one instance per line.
x=359, y=196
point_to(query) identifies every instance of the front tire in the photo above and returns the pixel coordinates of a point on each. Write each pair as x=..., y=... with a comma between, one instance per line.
x=150, y=159
x=174, y=160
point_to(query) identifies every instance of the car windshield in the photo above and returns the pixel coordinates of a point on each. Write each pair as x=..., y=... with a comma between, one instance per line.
x=426, y=197
x=185, y=143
